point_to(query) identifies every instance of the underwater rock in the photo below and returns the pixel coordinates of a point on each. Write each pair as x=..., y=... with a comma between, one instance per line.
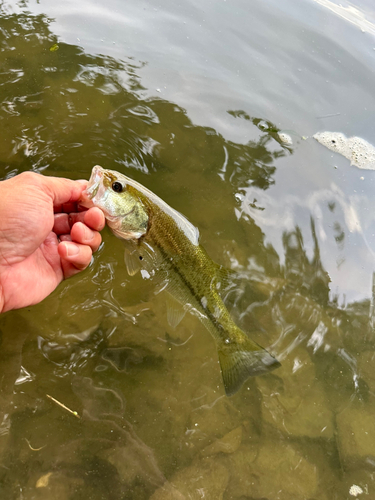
x=55, y=485
x=212, y=416
x=356, y=435
x=206, y=478
x=97, y=401
x=366, y=368
x=357, y=483
x=356, y=480
x=134, y=463
x=275, y=470
x=360, y=152
x=294, y=401
x=227, y=444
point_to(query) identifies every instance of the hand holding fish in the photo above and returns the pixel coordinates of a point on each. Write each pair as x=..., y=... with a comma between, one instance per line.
x=43, y=238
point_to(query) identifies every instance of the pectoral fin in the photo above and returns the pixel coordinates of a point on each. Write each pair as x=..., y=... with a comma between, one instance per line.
x=132, y=261
x=238, y=362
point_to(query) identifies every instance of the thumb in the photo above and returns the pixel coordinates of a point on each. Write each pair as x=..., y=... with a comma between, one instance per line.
x=62, y=190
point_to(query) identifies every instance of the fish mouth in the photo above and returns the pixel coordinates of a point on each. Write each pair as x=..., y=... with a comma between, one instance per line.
x=94, y=182
x=92, y=189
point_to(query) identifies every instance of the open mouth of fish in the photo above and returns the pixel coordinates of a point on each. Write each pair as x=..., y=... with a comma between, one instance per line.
x=94, y=182
x=94, y=187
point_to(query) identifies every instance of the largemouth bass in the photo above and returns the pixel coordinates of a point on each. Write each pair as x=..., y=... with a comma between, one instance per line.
x=163, y=244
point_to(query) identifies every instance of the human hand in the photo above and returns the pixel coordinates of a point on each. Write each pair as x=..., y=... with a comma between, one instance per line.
x=35, y=213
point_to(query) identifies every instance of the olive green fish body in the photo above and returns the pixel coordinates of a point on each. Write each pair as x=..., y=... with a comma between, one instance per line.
x=188, y=273
x=163, y=244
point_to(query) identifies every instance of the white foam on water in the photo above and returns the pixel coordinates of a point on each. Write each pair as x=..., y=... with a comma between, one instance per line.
x=355, y=490
x=360, y=152
x=285, y=138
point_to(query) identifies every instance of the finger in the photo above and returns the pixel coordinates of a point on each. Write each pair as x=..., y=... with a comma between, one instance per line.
x=94, y=218
x=69, y=269
x=82, y=234
x=81, y=208
x=65, y=237
x=78, y=256
x=69, y=207
x=62, y=190
x=74, y=217
x=61, y=224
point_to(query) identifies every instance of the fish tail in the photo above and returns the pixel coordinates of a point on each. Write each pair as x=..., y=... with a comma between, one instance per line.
x=239, y=361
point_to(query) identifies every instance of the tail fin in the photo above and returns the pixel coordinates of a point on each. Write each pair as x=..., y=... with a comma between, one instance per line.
x=238, y=362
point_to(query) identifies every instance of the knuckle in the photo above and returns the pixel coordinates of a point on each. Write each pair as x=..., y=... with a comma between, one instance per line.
x=30, y=177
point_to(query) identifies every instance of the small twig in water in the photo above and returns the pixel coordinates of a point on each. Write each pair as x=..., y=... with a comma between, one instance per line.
x=328, y=116
x=34, y=449
x=63, y=406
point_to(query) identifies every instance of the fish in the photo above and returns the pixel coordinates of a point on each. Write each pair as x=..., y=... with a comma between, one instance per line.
x=163, y=245
x=360, y=152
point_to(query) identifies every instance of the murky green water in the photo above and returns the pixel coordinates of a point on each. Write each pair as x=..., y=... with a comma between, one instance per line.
x=189, y=99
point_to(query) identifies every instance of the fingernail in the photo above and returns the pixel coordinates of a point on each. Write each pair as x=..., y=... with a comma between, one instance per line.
x=72, y=249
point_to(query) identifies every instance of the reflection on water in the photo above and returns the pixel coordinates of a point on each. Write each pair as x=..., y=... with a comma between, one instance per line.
x=139, y=410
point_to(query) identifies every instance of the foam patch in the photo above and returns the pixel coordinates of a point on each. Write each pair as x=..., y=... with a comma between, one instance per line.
x=285, y=138
x=360, y=152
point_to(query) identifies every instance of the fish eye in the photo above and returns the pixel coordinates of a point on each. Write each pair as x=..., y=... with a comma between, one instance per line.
x=117, y=187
